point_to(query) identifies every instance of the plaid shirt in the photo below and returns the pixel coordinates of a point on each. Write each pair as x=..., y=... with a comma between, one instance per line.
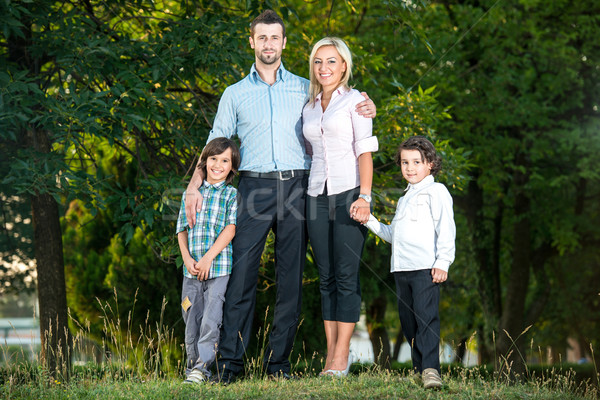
x=219, y=209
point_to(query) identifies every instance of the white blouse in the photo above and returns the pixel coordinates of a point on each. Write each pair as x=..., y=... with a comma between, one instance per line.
x=335, y=138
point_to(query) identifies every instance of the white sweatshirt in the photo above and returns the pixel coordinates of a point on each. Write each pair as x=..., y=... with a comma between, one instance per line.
x=422, y=232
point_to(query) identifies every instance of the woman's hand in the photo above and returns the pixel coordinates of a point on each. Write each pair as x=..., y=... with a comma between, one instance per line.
x=360, y=211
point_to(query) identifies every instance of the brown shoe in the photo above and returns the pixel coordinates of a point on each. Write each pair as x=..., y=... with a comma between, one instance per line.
x=431, y=379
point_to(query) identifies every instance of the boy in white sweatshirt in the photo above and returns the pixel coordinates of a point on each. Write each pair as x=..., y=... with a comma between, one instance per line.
x=422, y=235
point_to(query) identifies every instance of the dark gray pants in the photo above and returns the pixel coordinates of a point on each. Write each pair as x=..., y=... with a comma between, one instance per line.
x=202, y=320
x=337, y=242
x=418, y=304
x=265, y=204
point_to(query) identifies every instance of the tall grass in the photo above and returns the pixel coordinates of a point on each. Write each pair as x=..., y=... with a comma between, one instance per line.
x=125, y=352
x=149, y=357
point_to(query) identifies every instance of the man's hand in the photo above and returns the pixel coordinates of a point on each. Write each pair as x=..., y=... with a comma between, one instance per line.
x=204, y=268
x=438, y=275
x=366, y=108
x=193, y=204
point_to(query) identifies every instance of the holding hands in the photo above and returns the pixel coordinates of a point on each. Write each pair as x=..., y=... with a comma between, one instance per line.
x=360, y=211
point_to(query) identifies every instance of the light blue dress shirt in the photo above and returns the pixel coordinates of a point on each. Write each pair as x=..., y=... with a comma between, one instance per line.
x=267, y=119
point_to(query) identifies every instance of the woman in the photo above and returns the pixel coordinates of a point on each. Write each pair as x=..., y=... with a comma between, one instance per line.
x=339, y=189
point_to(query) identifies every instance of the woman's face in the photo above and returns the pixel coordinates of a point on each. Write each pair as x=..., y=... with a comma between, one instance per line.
x=328, y=67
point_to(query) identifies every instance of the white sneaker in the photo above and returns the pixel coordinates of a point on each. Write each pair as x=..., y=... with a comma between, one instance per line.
x=431, y=379
x=196, y=376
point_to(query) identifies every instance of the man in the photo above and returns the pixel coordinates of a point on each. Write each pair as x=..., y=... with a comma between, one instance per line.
x=265, y=111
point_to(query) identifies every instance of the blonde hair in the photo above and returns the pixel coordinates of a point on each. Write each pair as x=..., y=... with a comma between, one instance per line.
x=344, y=52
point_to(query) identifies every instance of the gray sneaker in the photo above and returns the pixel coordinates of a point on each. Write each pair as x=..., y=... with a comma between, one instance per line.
x=196, y=376
x=431, y=379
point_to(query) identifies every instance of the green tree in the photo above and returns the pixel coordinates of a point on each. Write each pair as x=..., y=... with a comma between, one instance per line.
x=372, y=30
x=523, y=83
x=123, y=95
x=84, y=75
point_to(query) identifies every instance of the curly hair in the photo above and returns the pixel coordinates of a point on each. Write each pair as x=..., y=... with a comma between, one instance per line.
x=427, y=150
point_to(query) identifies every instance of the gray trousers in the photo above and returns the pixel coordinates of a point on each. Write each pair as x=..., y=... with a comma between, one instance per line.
x=202, y=320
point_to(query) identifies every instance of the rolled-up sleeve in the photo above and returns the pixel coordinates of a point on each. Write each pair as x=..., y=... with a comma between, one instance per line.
x=364, y=141
x=366, y=145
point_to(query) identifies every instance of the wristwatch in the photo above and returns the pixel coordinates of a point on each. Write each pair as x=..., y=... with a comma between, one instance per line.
x=365, y=197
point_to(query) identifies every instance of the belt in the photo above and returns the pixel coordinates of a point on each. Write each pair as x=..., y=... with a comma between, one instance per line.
x=281, y=175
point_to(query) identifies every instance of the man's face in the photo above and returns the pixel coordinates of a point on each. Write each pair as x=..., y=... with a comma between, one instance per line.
x=268, y=43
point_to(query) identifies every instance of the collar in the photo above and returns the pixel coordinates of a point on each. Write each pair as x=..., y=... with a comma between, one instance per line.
x=218, y=185
x=340, y=91
x=425, y=182
x=281, y=73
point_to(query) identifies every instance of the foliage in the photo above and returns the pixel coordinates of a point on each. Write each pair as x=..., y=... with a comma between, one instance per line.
x=127, y=91
x=127, y=101
x=523, y=87
x=111, y=85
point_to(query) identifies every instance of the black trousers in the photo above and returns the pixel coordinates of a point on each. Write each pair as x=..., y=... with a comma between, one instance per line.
x=265, y=204
x=418, y=305
x=337, y=242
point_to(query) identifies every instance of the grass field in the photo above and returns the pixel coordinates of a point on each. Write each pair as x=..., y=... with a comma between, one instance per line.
x=370, y=384
x=150, y=368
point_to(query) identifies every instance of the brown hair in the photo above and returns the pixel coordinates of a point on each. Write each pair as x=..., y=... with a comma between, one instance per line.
x=218, y=146
x=267, y=17
x=427, y=150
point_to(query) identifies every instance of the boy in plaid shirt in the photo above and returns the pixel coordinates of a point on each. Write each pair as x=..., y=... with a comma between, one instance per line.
x=207, y=255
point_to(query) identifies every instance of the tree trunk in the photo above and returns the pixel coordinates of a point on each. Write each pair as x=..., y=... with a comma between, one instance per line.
x=486, y=246
x=509, y=345
x=52, y=294
x=461, y=350
x=377, y=332
x=485, y=354
x=54, y=328
x=398, y=345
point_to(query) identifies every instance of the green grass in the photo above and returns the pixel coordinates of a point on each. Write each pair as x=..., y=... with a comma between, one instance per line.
x=148, y=366
x=372, y=384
